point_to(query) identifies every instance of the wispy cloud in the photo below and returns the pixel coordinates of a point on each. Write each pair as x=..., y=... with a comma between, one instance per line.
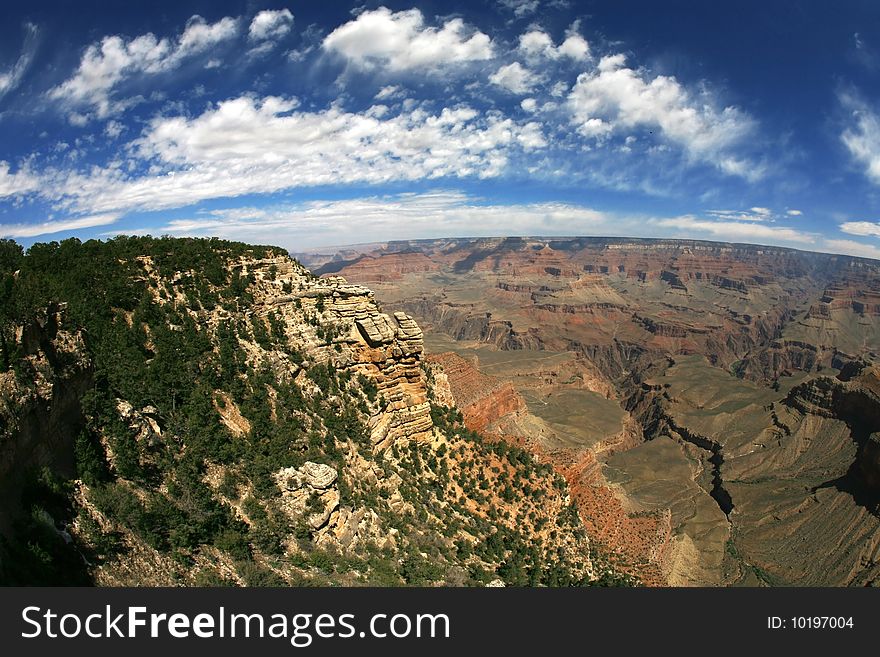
x=752, y=214
x=861, y=135
x=104, y=66
x=742, y=231
x=62, y=225
x=851, y=247
x=520, y=8
x=453, y=213
x=11, y=78
x=430, y=214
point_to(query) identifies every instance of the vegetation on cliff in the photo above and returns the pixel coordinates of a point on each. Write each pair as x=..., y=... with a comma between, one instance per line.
x=241, y=422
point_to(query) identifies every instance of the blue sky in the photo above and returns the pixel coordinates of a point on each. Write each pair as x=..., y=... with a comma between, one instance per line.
x=311, y=124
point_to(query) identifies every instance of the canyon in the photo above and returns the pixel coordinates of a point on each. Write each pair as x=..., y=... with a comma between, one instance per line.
x=713, y=407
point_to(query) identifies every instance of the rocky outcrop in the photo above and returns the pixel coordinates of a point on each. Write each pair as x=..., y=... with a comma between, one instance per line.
x=856, y=401
x=333, y=321
x=310, y=494
x=143, y=423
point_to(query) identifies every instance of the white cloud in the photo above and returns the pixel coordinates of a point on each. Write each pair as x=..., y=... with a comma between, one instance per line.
x=559, y=89
x=736, y=230
x=390, y=91
x=862, y=136
x=851, y=247
x=446, y=213
x=18, y=183
x=536, y=42
x=863, y=228
x=270, y=25
x=199, y=36
x=400, y=41
x=529, y=105
x=106, y=65
x=574, y=47
x=113, y=129
x=65, y=225
x=515, y=78
x=262, y=48
x=430, y=214
x=10, y=79
x=613, y=97
x=794, y=213
x=300, y=54
x=753, y=214
x=247, y=145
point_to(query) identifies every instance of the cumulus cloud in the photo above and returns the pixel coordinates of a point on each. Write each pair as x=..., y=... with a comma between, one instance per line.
x=199, y=36
x=515, y=78
x=11, y=78
x=614, y=98
x=400, y=41
x=747, y=231
x=794, y=213
x=247, y=145
x=270, y=25
x=105, y=65
x=863, y=228
x=862, y=134
x=537, y=43
x=18, y=183
x=47, y=227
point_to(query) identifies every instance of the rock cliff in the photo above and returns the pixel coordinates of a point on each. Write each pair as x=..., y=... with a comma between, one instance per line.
x=341, y=324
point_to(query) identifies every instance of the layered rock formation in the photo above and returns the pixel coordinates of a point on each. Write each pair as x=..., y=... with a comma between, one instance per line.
x=386, y=349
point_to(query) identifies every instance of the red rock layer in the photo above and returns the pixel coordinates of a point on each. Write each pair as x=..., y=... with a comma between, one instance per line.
x=388, y=267
x=636, y=543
